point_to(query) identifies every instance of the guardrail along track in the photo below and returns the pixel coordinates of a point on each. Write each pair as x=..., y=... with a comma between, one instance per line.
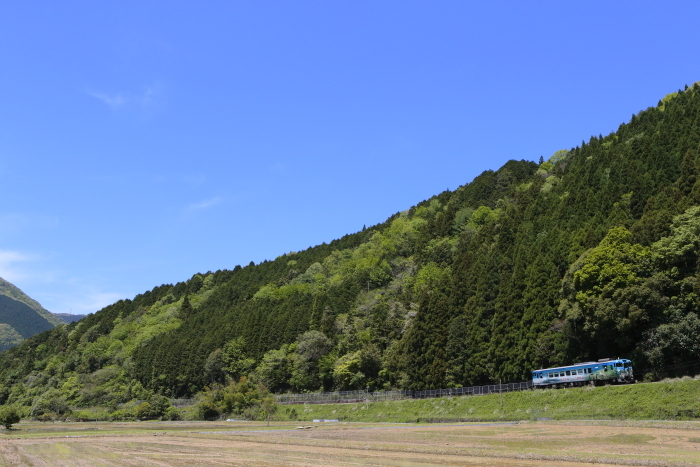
x=348, y=397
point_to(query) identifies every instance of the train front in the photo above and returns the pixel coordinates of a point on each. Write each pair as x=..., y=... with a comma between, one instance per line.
x=625, y=373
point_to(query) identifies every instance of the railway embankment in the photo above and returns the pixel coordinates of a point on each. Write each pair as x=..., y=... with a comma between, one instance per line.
x=677, y=399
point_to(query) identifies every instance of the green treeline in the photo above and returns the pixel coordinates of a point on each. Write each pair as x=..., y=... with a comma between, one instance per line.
x=592, y=253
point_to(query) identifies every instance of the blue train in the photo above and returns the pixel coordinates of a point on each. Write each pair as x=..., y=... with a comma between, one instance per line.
x=605, y=370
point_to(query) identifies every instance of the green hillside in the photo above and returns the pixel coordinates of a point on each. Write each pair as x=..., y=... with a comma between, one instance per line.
x=592, y=253
x=12, y=291
x=25, y=321
x=21, y=317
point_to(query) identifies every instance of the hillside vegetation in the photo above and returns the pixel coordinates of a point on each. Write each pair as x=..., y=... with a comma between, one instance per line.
x=589, y=254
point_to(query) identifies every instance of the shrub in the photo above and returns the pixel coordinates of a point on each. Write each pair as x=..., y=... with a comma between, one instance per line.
x=172, y=414
x=156, y=407
x=122, y=415
x=46, y=417
x=242, y=398
x=9, y=415
x=144, y=411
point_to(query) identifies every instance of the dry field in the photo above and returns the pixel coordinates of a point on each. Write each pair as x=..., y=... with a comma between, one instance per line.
x=350, y=444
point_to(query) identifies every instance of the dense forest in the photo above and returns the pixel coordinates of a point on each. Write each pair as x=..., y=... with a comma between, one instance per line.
x=592, y=253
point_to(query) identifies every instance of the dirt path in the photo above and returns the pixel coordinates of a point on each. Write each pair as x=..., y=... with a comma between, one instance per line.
x=495, y=445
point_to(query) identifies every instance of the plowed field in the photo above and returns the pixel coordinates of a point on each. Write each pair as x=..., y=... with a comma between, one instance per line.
x=190, y=444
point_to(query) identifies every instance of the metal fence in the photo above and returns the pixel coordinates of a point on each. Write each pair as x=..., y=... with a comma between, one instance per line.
x=179, y=403
x=347, y=397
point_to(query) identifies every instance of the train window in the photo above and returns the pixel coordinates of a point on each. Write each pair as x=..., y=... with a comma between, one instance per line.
x=618, y=364
x=590, y=370
x=568, y=373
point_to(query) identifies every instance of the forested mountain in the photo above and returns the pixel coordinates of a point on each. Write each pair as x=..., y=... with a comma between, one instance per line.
x=21, y=316
x=12, y=291
x=592, y=253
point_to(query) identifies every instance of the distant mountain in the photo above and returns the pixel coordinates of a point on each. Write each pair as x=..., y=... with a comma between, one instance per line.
x=69, y=318
x=14, y=292
x=22, y=317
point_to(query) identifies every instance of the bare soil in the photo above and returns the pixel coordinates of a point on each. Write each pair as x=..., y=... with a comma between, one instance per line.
x=350, y=444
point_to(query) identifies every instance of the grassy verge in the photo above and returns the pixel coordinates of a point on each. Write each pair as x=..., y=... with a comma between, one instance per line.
x=670, y=400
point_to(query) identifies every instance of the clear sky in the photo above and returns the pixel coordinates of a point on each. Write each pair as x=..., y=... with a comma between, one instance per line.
x=142, y=142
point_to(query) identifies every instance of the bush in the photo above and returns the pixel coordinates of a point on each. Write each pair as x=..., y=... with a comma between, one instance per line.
x=122, y=415
x=9, y=415
x=243, y=399
x=144, y=411
x=46, y=417
x=156, y=407
x=172, y=414
x=291, y=413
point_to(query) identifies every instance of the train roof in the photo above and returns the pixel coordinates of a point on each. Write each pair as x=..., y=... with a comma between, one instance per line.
x=601, y=361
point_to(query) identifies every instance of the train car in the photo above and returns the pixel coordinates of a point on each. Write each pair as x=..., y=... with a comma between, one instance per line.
x=605, y=370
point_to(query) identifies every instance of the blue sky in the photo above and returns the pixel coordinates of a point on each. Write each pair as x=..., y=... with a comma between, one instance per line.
x=142, y=142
